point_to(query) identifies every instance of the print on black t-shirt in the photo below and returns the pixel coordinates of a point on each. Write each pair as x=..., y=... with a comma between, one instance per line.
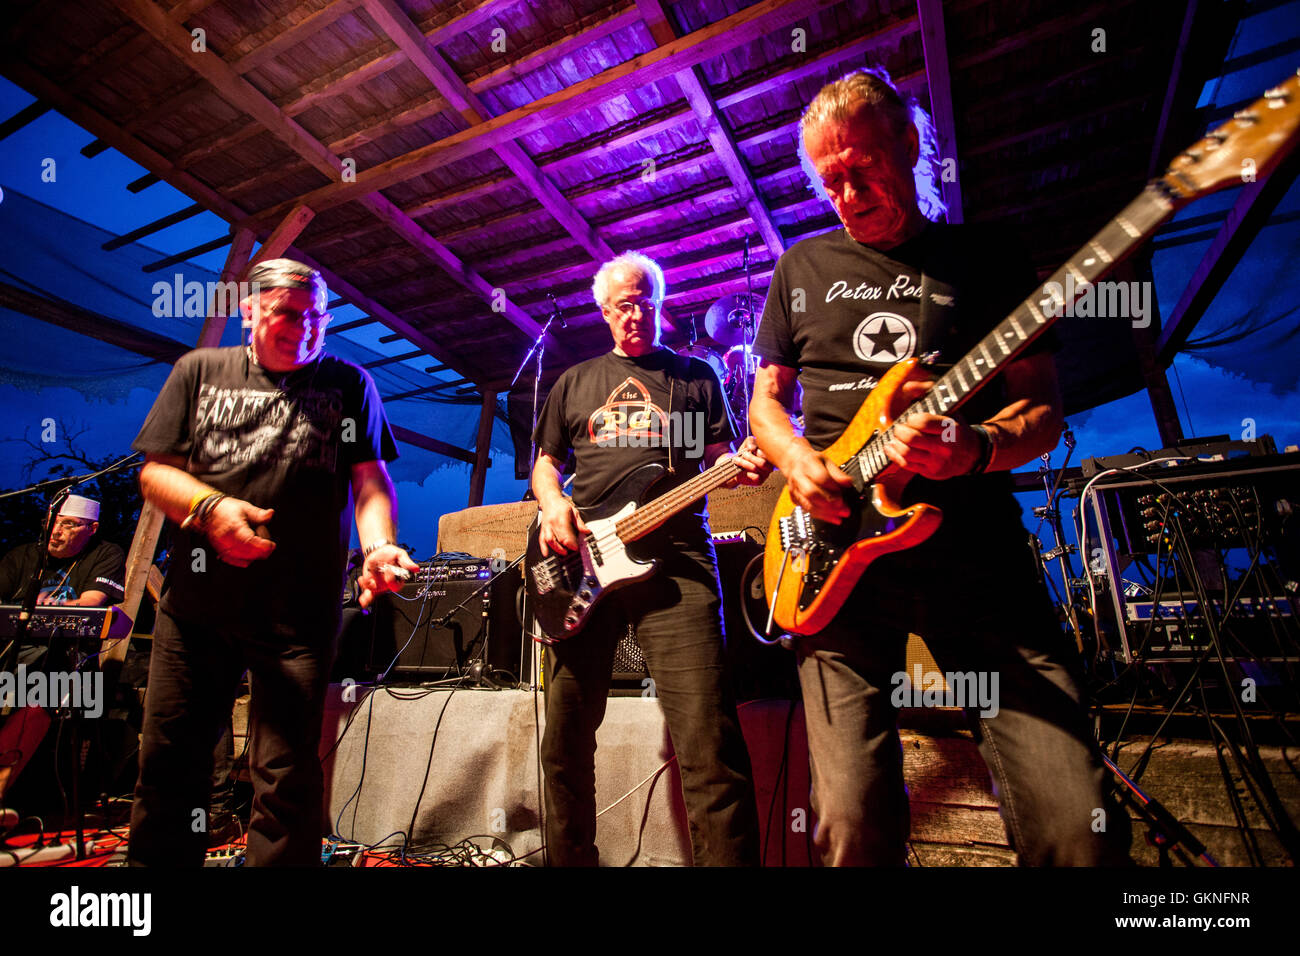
x=628, y=413
x=612, y=414
x=843, y=314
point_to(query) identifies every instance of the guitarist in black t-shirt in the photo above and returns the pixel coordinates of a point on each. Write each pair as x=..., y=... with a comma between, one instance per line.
x=640, y=405
x=843, y=307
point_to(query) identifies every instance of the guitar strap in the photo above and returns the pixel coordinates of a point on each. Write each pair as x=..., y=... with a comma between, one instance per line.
x=679, y=367
x=940, y=307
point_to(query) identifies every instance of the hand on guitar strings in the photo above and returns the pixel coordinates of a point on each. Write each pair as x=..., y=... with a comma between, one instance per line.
x=560, y=526
x=932, y=446
x=753, y=464
x=817, y=485
x=387, y=568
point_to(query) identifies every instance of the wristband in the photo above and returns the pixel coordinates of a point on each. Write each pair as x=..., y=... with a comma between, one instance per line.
x=200, y=508
x=375, y=546
x=986, y=450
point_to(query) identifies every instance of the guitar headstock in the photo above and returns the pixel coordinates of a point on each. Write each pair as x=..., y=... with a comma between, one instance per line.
x=1244, y=149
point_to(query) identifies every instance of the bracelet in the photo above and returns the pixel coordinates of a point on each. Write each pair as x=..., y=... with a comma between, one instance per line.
x=197, y=519
x=986, y=450
x=375, y=546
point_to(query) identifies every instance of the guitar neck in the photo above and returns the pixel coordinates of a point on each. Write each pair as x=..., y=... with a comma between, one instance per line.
x=650, y=516
x=1014, y=334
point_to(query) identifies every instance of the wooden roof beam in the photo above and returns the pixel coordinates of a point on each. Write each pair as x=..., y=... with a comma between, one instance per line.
x=252, y=50
x=934, y=44
x=399, y=28
x=28, y=114
x=728, y=33
x=393, y=359
x=723, y=141
x=148, y=229
x=1255, y=203
x=241, y=94
x=428, y=443
x=367, y=66
x=95, y=123
x=643, y=128
x=113, y=331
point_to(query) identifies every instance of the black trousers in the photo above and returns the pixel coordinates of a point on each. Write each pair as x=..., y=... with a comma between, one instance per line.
x=990, y=620
x=193, y=676
x=677, y=615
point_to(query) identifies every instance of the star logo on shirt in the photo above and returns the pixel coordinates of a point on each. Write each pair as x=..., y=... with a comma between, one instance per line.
x=884, y=337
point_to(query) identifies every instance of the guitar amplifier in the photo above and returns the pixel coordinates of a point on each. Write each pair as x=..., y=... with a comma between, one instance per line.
x=447, y=618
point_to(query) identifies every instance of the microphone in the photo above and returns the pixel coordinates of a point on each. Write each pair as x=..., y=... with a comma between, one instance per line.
x=558, y=314
x=744, y=262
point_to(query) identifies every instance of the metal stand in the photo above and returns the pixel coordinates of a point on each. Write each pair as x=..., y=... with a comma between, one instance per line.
x=539, y=347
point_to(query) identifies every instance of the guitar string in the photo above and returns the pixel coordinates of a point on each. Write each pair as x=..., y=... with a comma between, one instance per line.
x=696, y=488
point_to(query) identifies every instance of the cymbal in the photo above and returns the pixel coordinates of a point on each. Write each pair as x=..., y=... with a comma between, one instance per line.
x=726, y=318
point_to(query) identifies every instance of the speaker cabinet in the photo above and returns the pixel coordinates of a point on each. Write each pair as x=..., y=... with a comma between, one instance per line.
x=438, y=629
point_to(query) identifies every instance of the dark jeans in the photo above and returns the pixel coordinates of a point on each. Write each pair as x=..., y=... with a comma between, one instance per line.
x=677, y=615
x=193, y=677
x=1047, y=773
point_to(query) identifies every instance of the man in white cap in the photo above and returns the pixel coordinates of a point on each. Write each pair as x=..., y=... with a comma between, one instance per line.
x=80, y=568
x=255, y=452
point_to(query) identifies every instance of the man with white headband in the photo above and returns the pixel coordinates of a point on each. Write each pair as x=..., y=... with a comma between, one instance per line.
x=254, y=452
x=80, y=568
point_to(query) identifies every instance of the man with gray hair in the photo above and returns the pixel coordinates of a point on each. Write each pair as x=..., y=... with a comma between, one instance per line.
x=639, y=405
x=254, y=451
x=842, y=309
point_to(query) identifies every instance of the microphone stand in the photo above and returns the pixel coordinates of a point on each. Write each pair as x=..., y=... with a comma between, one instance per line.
x=539, y=347
x=1051, y=513
x=9, y=657
x=747, y=331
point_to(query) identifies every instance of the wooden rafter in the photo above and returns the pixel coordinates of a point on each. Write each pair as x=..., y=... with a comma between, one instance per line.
x=935, y=45
x=723, y=141
x=148, y=229
x=95, y=123
x=738, y=29
x=1248, y=215
x=643, y=128
x=241, y=94
x=399, y=28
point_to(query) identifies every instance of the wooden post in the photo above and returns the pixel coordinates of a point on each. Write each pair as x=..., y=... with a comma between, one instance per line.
x=145, y=541
x=1153, y=373
x=482, y=447
x=236, y=260
x=139, y=561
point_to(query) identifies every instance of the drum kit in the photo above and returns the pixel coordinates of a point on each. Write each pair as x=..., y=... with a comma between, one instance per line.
x=731, y=323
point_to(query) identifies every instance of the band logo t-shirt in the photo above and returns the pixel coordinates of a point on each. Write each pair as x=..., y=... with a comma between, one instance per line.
x=285, y=441
x=844, y=313
x=616, y=413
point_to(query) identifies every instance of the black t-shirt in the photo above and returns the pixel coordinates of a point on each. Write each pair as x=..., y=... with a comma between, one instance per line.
x=101, y=566
x=843, y=313
x=286, y=441
x=615, y=414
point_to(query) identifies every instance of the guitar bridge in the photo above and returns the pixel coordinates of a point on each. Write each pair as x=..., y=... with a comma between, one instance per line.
x=797, y=533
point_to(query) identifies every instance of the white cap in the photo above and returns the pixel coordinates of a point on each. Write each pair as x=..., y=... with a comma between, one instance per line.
x=78, y=507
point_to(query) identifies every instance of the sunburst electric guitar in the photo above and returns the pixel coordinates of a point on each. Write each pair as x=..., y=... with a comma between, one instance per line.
x=566, y=588
x=811, y=566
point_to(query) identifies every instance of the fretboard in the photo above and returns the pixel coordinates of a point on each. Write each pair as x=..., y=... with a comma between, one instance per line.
x=1117, y=240
x=649, y=516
